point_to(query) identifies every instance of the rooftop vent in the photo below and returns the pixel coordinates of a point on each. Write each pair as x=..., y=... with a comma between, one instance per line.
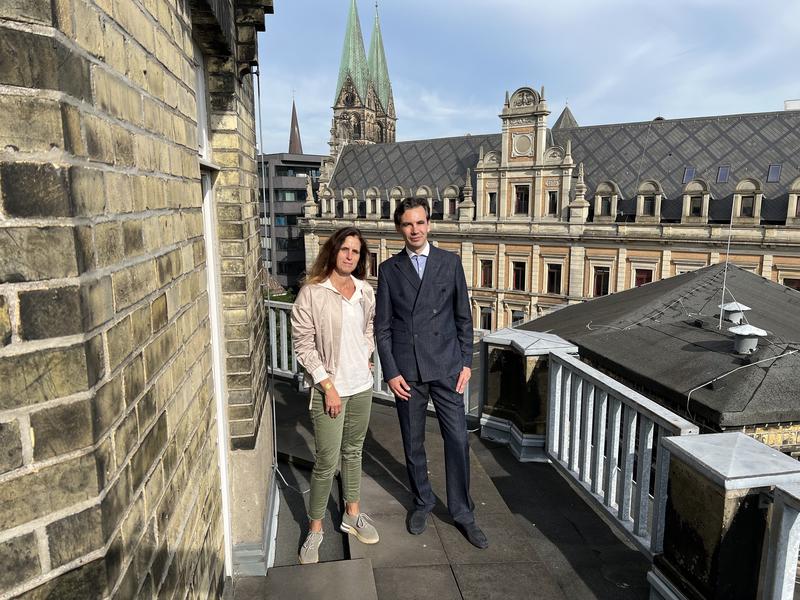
x=791, y=105
x=746, y=341
x=733, y=312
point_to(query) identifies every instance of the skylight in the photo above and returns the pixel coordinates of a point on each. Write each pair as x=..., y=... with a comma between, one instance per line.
x=774, y=174
x=688, y=174
x=722, y=174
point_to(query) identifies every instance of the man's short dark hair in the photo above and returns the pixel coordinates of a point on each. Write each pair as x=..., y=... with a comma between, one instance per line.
x=409, y=203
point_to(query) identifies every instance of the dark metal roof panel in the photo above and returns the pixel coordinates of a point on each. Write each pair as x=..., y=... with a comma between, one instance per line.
x=436, y=163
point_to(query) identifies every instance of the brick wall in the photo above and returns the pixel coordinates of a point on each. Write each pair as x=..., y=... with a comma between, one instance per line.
x=109, y=476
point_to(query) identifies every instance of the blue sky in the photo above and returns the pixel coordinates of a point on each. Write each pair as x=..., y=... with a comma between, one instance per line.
x=613, y=60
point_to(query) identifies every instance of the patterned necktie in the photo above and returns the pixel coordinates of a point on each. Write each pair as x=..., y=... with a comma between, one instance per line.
x=419, y=264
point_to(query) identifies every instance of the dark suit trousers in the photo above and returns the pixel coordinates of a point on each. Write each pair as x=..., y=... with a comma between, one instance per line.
x=449, y=407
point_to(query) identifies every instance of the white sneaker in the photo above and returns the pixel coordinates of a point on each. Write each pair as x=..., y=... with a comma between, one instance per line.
x=309, y=552
x=361, y=527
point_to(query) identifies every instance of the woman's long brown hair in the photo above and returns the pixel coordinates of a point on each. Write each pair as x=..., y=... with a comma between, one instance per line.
x=326, y=260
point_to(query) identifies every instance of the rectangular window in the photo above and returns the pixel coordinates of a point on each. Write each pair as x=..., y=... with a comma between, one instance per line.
x=486, y=318
x=792, y=282
x=649, y=206
x=605, y=206
x=487, y=280
x=373, y=264
x=452, y=206
x=554, y=279
x=552, y=203
x=522, y=201
x=280, y=221
x=492, y=203
x=696, y=206
x=774, y=174
x=688, y=174
x=602, y=276
x=723, y=173
x=643, y=276
x=282, y=171
x=748, y=202
x=517, y=317
x=518, y=275
x=287, y=196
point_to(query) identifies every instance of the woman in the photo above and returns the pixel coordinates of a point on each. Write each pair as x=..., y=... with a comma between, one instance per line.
x=332, y=335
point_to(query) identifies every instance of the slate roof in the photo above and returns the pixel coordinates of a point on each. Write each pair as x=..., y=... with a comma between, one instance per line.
x=662, y=149
x=663, y=338
x=565, y=120
x=436, y=163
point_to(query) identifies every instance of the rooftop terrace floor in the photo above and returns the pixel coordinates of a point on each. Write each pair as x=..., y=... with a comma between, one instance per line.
x=545, y=542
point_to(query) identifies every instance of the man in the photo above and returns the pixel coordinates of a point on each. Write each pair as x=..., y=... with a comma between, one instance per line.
x=423, y=328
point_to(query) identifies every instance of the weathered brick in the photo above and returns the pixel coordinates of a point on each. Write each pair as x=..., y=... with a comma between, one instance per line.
x=61, y=429
x=107, y=406
x=10, y=446
x=134, y=379
x=106, y=465
x=158, y=352
x=118, y=192
x=115, y=97
x=88, y=192
x=32, y=11
x=115, y=503
x=34, y=190
x=88, y=28
x=5, y=323
x=146, y=454
x=30, y=124
x=99, y=142
x=126, y=436
x=19, y=558
x=85, y=255
x=132, y=237
x=49, y=313
x=146, y=409
x=47, y=490
x=37, y=61
x=120, y=342
x=141, y=325
x=109, y=244
x=43, y=375
x=73, y=136
x=75, y=536
x=97, y=302
x=133, y=283
x=132, y=526
x=158, y=310
x=123, y=146
x=87, y=582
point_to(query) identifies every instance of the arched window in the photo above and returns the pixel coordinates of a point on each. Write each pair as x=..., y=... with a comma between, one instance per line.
x=648, y=202
x=696, y=197
x=606, y=198
x=747, y=201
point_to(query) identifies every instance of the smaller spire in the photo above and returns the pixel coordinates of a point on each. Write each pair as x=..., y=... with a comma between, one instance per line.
x=508, y=100
x=541, y=94
x=295, y=145
x=480, y=153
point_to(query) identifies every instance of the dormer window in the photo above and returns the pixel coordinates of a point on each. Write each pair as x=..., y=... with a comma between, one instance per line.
x=605, y=206
x=605, y=202
x=696, y=206
x=492, y=200
x=748, y=204
x=649, y=206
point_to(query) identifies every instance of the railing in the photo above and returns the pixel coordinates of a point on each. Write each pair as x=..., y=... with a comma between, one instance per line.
x=283, y=362
x=783, y=544
x=605, y=437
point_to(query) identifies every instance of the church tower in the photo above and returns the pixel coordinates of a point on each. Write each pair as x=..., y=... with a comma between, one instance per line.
x=363, y=106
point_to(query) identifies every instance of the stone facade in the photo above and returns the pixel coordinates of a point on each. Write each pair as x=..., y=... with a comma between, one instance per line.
x=110, y=479
x=535, y=232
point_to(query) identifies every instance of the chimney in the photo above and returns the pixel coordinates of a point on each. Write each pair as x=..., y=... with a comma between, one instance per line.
x=733, y=312
x=746, y=341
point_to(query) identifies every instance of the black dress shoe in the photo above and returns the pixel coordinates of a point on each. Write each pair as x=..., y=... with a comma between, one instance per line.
x=417, y=521
x=473, y=534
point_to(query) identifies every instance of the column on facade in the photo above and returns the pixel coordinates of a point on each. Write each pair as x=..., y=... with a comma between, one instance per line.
x=501, y=266
x=467, y=261
x=622, y=255
x=766, y=266
x=666, y=259
x=577, y=260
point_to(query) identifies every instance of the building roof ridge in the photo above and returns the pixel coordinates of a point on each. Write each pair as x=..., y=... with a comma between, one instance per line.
x=659, y=120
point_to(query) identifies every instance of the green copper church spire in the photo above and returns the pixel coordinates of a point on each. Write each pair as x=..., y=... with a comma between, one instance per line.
x=354, y=60
x=378, y=69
